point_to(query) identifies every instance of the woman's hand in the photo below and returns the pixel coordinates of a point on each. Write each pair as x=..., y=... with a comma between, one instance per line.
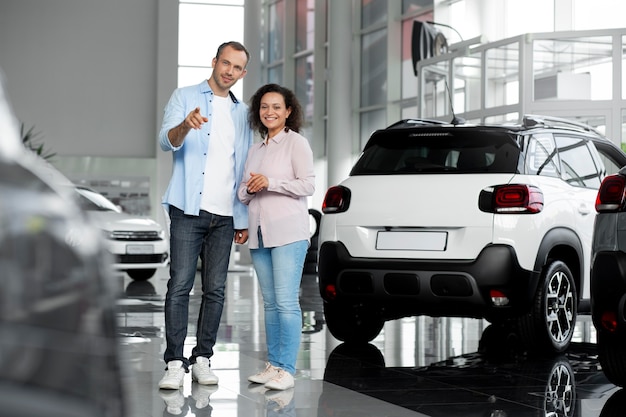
x=256, y=183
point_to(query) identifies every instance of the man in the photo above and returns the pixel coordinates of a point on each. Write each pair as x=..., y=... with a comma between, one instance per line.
x=207, y=130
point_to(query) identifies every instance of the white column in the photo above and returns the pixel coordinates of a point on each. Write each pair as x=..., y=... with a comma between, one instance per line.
x=167, y=81
x=341, y=70
x=252, y=37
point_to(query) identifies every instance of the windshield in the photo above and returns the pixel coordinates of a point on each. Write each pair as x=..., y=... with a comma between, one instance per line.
x=431, y=151
x=91, y=200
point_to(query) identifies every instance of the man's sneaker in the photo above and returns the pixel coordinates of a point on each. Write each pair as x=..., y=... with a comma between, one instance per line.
x=282, y=381
x=279, y=400
x=202, y=373
x=173, y=378
x=265, y=375
x=174, y=401
x=201, y=394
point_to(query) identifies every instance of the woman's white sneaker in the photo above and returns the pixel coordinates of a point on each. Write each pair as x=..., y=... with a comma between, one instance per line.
x=265, y=375
x=282, y=381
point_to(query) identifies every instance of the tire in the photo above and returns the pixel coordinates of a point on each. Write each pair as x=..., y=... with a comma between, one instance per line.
x=560, y=391
x=352, y=325
x=140, y=274
x=499, y=342
x=612, y=356
x=310, y=262
x=351, y=360
x=614, y=406
x=549, y=327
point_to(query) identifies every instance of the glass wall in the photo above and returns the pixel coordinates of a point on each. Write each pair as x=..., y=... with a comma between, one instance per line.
x=201, y=20
x=573, y=69
x=434, y=98
x=467, y=83
x=374, y=68
x=305, y=25
x=502, y=67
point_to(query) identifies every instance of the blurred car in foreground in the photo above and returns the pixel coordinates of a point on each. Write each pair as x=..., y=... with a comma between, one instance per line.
x=608, y=277
x=454, y=220
x=138, y=244
x=58, y=336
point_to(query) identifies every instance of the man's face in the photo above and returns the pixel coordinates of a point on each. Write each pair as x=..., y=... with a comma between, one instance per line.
x=229, y=67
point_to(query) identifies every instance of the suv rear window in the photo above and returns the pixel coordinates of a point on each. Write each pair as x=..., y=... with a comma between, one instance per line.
x=436, y=151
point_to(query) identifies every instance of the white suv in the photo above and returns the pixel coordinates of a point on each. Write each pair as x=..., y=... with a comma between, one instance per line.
x=138, y=244
x=489, y=222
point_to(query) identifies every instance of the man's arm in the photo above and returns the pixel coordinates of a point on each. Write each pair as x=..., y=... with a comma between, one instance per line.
x=194, y=120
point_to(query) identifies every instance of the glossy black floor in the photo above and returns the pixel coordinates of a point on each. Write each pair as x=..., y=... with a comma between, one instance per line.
x=416, y=367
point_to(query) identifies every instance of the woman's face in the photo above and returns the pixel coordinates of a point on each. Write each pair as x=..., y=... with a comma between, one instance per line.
x=273, y=112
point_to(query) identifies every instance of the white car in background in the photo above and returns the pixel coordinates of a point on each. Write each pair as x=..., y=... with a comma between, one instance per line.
x=139, y=244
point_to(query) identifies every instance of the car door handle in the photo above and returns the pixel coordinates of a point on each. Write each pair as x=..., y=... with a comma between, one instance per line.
x=584, y=209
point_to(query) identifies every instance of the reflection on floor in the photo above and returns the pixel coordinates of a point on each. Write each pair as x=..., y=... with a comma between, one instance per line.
x=416, y=367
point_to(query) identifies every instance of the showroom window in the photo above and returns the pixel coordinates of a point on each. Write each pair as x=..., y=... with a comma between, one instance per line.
x=202, y=27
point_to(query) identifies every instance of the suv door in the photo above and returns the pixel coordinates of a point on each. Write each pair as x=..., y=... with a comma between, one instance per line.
x=580, y=170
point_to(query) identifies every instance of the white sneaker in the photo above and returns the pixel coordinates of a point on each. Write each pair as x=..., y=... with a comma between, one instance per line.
x=202, y=373
x=174, y=401
x=201, y=394
x=282, y=381
x=257, y=389
x=173, y=378
x=279, y=400
x=265, y=375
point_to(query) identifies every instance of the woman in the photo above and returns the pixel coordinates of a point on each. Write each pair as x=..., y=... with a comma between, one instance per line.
x=278, y=177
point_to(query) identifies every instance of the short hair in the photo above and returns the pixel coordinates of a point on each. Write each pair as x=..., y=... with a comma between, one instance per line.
x=293, y=122
x=237, y=46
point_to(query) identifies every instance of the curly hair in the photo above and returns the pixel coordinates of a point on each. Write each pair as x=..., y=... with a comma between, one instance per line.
x=293, y=122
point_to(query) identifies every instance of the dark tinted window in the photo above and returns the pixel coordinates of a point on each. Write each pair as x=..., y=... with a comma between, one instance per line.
x=428, y=151
x=611, y=156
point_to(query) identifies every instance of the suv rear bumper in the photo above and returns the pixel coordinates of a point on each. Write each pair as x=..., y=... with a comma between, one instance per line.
x=407, y=287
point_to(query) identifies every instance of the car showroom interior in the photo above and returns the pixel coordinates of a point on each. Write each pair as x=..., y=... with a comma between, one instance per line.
x=464, y=255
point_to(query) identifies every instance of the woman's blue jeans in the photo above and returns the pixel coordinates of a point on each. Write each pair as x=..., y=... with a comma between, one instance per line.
x=210, y=237
x=279, y=271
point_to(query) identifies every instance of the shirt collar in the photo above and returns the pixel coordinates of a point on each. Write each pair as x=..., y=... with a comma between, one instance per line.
x=279, y=136
x=206, y=88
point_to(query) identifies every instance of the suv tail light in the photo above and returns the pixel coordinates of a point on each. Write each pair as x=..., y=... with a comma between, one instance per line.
x=337, y=200
x=611, y=194
x=609, y=321
x=511, y=198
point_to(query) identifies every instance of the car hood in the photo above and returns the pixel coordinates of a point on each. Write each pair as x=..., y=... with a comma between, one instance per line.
x=111, y=221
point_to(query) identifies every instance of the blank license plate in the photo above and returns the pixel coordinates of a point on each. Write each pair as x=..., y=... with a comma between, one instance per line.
x=435, y=241
x=139, y=249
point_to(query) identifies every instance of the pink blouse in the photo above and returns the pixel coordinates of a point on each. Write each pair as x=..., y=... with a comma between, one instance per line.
x=281, y=210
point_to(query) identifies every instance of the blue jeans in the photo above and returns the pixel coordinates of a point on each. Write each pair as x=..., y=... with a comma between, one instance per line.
x=279, y=270
x=210, y=237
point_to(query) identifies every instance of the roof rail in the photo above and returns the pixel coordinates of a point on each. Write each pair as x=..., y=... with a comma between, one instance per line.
x=532, y=120
x=409, y=122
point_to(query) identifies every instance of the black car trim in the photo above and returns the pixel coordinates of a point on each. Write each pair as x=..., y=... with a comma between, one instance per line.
x=495, y=267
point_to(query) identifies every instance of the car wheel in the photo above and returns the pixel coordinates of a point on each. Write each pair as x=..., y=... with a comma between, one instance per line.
x=560, y=391
x=352, y=360
x=612, y=356
x=352, y=324
x=614, y=406
x=141, y=274
x=550, y=325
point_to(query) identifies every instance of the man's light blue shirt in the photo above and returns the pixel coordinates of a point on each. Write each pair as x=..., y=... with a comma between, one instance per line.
x=189, y=159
